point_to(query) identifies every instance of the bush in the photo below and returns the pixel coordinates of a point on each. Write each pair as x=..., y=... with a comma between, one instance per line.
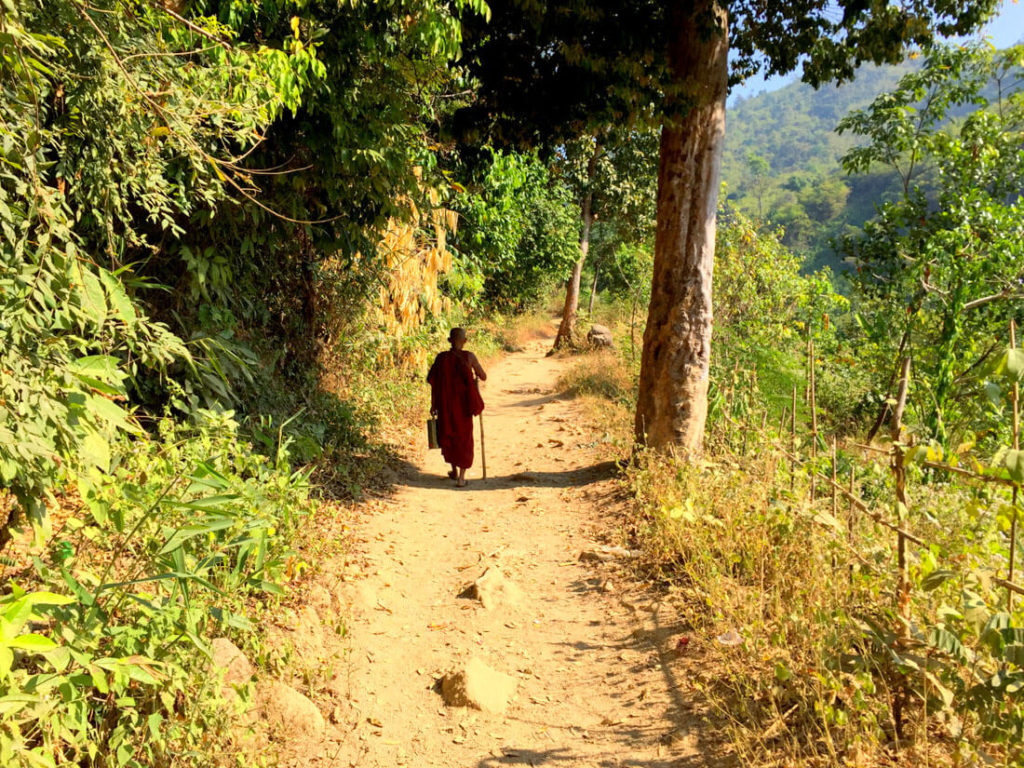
x=103, y=652
x=600, y=375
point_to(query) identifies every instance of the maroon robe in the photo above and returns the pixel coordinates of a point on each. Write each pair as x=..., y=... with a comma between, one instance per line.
x=455, y=399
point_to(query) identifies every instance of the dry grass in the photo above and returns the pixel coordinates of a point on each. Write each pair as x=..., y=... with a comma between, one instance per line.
x=512, y=334
x=807, y=683
x=746, y=561
x=600, y=374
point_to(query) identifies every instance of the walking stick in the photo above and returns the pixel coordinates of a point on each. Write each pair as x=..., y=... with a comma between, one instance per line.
x=483, y=453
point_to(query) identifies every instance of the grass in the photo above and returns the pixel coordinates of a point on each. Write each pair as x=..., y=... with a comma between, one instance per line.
x=826, y=671
x=599, y=374
x=500, y=334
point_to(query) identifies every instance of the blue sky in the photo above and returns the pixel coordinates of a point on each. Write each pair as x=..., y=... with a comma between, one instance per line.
x=1004, y=30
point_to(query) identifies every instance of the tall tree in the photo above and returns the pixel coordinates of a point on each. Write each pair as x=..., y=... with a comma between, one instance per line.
x=940, y=269
x=613, y=174
x=552, y=69
x=567, y=327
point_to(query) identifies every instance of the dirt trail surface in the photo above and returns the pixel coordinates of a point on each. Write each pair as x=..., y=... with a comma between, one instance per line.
x=592, y=660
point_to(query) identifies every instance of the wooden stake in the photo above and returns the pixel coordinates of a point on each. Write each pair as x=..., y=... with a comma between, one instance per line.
x=814, y=417
x=1015, y=400
x=900, y=477
x=807, y=371
x=850, y=521
x=835, y=495
x=792, y=444
x=835, y=478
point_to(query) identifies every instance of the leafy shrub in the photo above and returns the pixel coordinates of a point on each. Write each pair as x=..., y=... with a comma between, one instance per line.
x=519, y=231
x=831, y=667
x=181, y=541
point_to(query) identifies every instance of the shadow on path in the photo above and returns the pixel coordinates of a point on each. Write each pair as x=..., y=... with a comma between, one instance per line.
x=413, y=477
x=682, y=723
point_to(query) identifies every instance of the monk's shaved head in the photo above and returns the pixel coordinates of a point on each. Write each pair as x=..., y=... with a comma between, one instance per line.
x=457, y=334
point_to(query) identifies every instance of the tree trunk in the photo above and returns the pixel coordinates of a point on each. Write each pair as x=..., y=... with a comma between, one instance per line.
x=672, y=403
x=572, y=298
x=572, y=291
x=593, y=289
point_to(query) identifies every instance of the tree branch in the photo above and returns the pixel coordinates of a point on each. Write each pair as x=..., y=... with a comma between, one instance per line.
x=1009, y=293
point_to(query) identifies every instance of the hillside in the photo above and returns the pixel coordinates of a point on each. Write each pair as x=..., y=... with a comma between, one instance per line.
x=782, y=159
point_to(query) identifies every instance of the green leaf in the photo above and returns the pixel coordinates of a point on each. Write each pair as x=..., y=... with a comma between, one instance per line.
x=1014, y=653
x=1014, y=463
x=94, y=450
x=102, y=367
x=118, y=297
x=112, y=414
x=14, y=617
x=60, y=658
x=208, y=525
x=992, y=634
x=1015, y=363
x=49, y=598
x=32, y=642
x=943, y=640
x=936, y=579
x=99, y=678
x=994, y=393
x=205, y=503
x=91, y=297
x=15, y=702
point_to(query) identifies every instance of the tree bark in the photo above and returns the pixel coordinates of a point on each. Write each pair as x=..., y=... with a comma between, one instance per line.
x=593, y=289
x=567, y=327
x=672, y=402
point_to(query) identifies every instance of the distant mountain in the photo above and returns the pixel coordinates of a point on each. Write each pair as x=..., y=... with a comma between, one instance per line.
x=782, y=154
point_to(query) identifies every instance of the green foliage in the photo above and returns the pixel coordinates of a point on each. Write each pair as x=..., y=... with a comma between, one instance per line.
x=518, y=231
x=765, y=310
x=170, y=547
x=359, y=152
x=556, y=70
x=133, y=149
x=618, y=170
x=941, y=266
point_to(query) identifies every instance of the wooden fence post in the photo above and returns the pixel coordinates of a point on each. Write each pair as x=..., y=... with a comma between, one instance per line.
x=1015, y=400
x=792, y=444
x=900, y=477
x=835, y=484
x=835, y=491
x=814, y=419
x=850, y=521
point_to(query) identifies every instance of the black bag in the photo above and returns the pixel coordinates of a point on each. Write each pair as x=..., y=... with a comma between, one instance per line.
x=432, y=433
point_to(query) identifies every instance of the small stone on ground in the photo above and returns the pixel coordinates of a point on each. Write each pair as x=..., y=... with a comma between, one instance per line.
x=478, y=686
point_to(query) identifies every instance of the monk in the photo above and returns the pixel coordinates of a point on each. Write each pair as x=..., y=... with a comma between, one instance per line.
x=455, y=400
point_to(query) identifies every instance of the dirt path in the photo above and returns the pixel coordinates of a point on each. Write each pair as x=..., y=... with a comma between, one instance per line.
x=593, y=661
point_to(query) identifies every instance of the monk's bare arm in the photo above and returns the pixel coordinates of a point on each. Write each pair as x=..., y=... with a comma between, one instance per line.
x=477, y=368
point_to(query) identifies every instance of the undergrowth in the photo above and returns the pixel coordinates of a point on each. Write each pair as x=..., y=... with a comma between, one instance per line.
x=823, y=669
x=807, y=656
x=104, y=653
x=197, y=529
x=599, y=375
